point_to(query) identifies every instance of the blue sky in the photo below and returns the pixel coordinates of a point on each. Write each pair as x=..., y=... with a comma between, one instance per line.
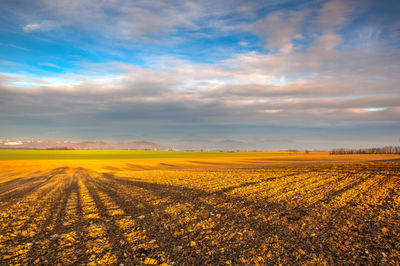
x=202, y=74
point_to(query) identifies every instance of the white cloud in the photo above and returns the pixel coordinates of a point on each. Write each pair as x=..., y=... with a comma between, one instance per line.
x=243, y=43
x=42, y=26
x=318, y=84
x=31, y=27
x=280, y=29
x=334, y=14
x=114, y=18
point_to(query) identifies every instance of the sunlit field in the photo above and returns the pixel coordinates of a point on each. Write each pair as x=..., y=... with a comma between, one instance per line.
x=121, y=154
x=207, y=209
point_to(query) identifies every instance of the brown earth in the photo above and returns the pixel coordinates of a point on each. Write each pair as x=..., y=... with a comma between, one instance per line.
x=310, y=213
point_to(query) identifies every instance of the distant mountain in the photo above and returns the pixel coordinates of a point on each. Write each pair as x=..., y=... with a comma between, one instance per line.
x=91, y=144
x=96, y=142
x=230, y=144
x=84, y=145
x=140, y=145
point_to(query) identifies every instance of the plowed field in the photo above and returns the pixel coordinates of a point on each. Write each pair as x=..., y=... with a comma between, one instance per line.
x=132, y=212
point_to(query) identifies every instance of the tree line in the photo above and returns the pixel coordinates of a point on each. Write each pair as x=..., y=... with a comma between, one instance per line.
x=382, y=150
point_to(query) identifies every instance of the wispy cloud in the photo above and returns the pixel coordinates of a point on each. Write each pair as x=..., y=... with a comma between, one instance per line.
x=334, y=14
x=40, y=26
x=280, y=29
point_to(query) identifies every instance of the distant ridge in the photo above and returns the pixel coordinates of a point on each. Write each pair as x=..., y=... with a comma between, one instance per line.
x=84, y=145
x=141, y=145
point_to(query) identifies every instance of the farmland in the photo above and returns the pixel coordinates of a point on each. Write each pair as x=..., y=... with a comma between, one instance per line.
x=200, y=209
x=119, y=154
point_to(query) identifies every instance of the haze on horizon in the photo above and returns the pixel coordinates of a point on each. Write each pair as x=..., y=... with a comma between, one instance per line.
x=202, y=74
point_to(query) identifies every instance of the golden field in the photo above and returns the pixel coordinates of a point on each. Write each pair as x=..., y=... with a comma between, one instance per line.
x=290, y=209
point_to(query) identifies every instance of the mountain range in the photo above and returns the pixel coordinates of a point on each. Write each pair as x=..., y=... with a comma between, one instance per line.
x=84, y=145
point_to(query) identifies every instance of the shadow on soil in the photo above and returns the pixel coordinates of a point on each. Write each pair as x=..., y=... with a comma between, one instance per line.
x=240, y=225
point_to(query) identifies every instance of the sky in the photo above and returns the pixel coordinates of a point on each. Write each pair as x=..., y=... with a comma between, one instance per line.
x=278, y=74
